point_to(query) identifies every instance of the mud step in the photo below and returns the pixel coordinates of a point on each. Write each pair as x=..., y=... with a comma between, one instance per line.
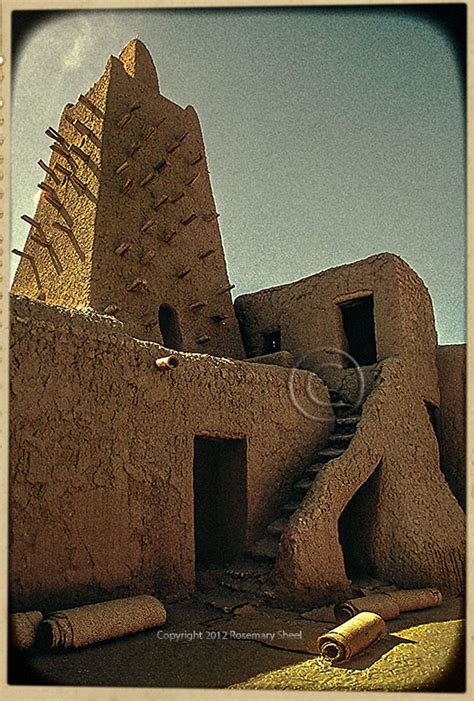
x=265, y=549
x=330, y=453
x=347, y=422
x=291, y=507
x=277, y=527
x=312, y=470
x=340, y=439
x=303, y=485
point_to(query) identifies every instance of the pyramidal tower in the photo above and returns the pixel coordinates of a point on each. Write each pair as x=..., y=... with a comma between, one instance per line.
x=126, y=224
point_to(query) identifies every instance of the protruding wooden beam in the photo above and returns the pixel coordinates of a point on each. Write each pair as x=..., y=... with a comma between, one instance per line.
x=47, y=188
x=40, y=241
x=173, y=146
x=136, y=106
x=209, y=216
x=60, y=151
x=197, y=305
x=206, y=254
x=192, y=179
x=22, y=254
x=49, y=171
x=189, y=218
x=147, y=225
x=126, y=186
x=91, y=106
x=161, y=201
x=122, y=167
x=53, y=134
x=170, y=236
x=183, y=273
x=32, y=222
x=183, y=135
x=177, y=197
x=196, y=159
x=203, y=339
x=149, y=133
x=148, y=257
x=82, y=154
x=123, y=121
x=134, y=147
x=148, y=178
x=122, y=248
x=111, y=310
x=63, y=170
x=228, y=288
x=75, y=243
x=138, y=282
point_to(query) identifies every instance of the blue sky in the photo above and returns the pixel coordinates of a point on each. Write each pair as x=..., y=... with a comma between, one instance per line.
x=330, y=136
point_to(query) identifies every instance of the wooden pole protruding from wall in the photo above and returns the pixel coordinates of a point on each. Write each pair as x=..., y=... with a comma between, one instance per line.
x=206, y=254
x=173, y=146
x=228, y=288
x=147, y=225
x=203, y=339
x=148, y=257
x=34, y=267
x=147, y=179
x=210, y=216
x=197, y=305
x=177, y=197
x=149, y=133
x=111, y=310
x=53, y=134
x=122, y=248
x=189, y=218
x=183, y=273
x=32, y=222
x=126, y=186
x=161, y=201
x=49, y=171
x=196, y=159
x=91, y=106
x=138, y=282
x=123, y=166
x=192, y=179
x=79, y=152
x=22, y=254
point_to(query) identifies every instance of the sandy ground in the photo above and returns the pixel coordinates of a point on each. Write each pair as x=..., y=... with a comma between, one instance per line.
x=422, y=651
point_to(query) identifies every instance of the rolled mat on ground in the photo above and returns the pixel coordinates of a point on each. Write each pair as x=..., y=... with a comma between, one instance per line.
x=23, y=628
x=352, y=637
x=390, y=604
x=86, y=625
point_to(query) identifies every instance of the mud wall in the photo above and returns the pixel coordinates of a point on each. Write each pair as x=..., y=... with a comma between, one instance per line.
x=451, y=417
x=101, y=454
x=129, y=189
x=308, y=316
x=417, y=528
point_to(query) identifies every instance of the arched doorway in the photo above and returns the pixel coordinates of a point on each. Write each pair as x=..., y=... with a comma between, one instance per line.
x=169, y=327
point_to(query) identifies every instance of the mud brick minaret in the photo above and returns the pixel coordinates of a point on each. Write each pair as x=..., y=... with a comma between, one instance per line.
x=126, y=224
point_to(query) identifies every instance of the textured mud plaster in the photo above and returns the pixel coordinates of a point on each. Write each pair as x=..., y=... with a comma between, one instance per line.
x=451, y=417
x=411, y=529
x=309, y=318
x=101, y=454
x=142, y=220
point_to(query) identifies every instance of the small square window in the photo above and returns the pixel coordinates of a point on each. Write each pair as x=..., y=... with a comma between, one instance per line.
x=272, y=341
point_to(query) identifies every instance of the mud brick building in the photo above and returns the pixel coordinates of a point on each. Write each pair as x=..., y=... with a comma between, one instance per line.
x=301, y=427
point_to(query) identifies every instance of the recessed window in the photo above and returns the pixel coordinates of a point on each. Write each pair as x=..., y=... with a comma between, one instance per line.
x=169, y=327
x=359, y=328
x=272, y=341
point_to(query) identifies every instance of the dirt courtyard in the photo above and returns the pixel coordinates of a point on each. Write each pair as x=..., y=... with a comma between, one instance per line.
x=226, y=639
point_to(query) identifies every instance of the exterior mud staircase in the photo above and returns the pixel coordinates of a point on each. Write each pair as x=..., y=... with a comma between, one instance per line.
x=252, y=572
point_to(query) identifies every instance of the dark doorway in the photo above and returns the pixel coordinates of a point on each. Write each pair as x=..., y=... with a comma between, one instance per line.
x=359, y=328
x=357, y=529
x=169, y=327
x=272, y=341
x=220, y=499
